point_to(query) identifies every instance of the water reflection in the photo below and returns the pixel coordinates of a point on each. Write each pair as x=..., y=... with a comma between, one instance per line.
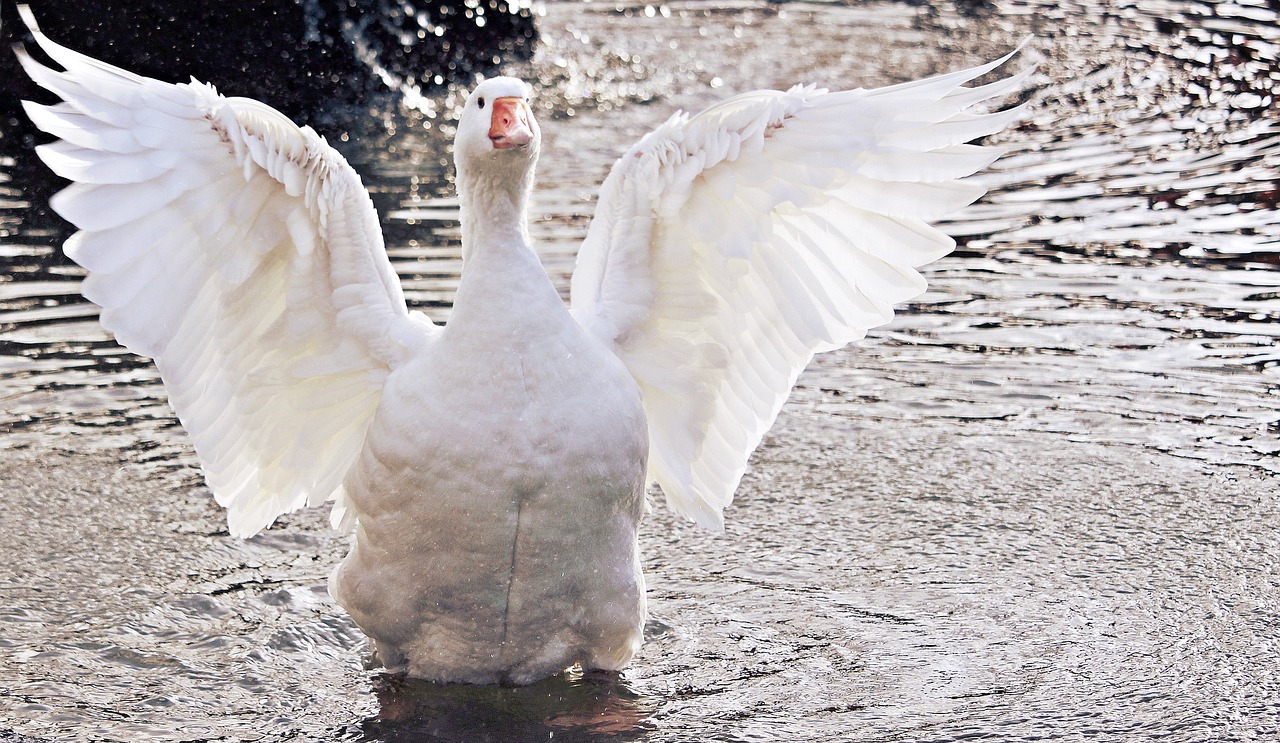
x=565, y=708
x=1159, y=134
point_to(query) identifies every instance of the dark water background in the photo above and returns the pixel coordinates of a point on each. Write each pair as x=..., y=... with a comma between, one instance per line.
x=1042, y=504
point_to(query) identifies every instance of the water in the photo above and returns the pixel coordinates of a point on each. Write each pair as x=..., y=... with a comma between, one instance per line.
x=1039, y=505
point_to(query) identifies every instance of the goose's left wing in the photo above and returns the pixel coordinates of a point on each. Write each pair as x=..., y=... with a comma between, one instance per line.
x=729, y=247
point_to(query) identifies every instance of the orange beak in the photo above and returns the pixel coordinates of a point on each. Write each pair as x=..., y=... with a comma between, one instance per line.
x=509, y=125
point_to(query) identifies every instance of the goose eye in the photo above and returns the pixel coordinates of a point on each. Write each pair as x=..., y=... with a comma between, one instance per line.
x=480, y=102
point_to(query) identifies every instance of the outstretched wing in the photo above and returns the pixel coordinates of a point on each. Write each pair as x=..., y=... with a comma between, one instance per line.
x=728, y=247
x=243, y=255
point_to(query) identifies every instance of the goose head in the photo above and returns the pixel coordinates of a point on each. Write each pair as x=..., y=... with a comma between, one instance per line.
x=498, y=138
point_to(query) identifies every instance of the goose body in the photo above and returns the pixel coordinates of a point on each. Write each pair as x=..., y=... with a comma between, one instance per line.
x=499, y=489
x=493, y=471
x=486, y=544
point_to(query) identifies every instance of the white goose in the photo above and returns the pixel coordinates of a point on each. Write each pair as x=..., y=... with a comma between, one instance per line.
x=494, y=469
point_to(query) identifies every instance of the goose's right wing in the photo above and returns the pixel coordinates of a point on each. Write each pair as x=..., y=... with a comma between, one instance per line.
x=243, y=255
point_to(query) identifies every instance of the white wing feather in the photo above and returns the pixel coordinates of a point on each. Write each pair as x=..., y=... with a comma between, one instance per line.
x=729, y=247
x=243, y=255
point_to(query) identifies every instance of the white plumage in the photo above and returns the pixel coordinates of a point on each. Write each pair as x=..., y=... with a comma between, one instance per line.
x=493, y=470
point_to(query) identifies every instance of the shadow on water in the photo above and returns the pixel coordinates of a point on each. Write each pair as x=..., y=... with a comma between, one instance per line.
x=571, y=707
x=577, y=707
x=300, y=56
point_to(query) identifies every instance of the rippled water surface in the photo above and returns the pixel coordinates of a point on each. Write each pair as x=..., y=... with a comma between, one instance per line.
x=1041, y=504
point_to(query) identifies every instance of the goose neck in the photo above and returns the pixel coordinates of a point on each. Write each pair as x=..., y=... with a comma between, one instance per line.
x=493, y=214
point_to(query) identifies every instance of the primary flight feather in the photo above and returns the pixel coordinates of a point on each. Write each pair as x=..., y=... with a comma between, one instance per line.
x=493, y=470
